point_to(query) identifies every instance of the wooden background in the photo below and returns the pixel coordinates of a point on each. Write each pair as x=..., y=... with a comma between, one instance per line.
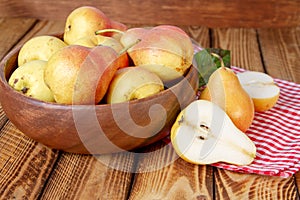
x=210, y=13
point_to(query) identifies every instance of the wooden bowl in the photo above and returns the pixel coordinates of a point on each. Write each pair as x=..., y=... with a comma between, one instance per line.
x=95, y=129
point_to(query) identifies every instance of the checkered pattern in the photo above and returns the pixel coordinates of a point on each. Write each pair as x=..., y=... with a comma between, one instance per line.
x=276, y=134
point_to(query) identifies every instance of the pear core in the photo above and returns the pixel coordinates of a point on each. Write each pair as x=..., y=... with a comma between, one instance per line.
x=204, y=134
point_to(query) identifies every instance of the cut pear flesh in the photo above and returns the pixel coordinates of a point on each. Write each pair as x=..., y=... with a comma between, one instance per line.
x=261, y=88
x=204, y=134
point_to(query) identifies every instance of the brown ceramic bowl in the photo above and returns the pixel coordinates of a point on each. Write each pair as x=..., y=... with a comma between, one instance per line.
x=95, y=129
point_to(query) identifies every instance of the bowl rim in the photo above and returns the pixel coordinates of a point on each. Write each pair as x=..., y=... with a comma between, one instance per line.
x=54, y=105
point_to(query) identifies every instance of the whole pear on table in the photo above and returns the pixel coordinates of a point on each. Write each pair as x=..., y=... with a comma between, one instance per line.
x=225, y=90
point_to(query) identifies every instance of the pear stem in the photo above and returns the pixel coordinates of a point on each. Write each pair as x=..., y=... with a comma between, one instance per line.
x=129, y=46
x=108, y=30
x=219, y=57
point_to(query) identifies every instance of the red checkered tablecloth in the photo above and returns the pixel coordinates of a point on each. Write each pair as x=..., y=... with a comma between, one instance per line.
x=276, y=134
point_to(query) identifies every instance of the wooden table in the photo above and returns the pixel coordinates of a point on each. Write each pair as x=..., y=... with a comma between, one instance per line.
x=29, y=170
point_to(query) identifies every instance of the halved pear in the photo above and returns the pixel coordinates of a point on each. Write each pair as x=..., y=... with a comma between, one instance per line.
x=204, y=134
x=133, y=83
x=261, y=88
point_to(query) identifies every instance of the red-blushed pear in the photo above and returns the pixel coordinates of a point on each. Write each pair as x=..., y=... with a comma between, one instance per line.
x=165, y=50
x=81, y=75
x=85, y=21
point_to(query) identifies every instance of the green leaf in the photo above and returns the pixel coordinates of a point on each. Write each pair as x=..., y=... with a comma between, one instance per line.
x=207, y=63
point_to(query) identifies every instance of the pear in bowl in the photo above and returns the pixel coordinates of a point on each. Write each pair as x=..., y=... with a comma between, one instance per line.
x=100, y=128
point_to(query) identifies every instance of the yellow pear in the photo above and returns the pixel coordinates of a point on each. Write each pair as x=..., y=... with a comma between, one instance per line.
x=39, y=48
x=132, y=83
x=29, y=80
x=84, y=21
x=224, y=89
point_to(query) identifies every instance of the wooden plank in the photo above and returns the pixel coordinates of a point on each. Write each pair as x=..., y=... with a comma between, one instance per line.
x=281, y=52
x=242, y=44
x=87, y=177
x=170, y=177
x=11, y=31
x=24, y=164
x=231, y=185
x=217, y=13
x=297, y=178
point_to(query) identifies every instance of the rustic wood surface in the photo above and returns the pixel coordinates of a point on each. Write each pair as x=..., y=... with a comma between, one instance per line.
x=216, y=13
x=29, y=170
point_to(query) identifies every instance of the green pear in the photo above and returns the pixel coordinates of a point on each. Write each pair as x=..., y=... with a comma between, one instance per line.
x=29, y=80
x=204, y=134
x=39, y=48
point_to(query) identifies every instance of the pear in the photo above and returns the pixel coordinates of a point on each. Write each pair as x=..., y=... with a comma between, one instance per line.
x=261, y=88
x=39, y=48
x=164, y=50
x=81, y=75
x=224, y=89
x=204, y=134
x=29, y=80
x=132, y=83
x=85, y=21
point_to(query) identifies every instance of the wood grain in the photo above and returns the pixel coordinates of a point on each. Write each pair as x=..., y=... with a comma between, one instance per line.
x=281, y=52
x=86, y=177
x=171, y=177
x=243, y=46
x=24, y=164
x=232, y=185
x=217, y=13
x=11, y=32
x=297, y=179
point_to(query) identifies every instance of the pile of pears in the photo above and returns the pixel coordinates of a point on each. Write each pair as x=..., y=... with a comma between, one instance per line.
x=99, y=60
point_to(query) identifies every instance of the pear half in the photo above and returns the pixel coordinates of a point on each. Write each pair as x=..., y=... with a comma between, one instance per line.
x=204, y=134
x=261, y=88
